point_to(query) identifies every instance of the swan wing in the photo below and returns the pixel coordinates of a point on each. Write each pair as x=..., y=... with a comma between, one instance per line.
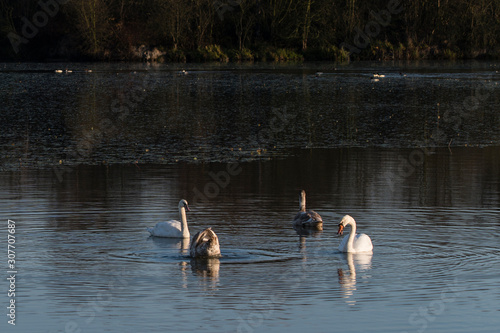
x=362, y=243
x=314, y=216
x=205, y=244
x=308, y=219
x=166, y=229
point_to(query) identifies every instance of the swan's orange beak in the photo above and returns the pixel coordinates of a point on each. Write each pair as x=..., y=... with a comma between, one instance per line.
x=341, y=229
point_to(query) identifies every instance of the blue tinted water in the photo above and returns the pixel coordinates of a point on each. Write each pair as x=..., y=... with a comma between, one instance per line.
x=85, y=262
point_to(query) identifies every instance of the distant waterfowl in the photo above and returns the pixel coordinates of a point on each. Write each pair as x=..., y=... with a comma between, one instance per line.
x=353, y=243
x=307, y=218
x=205, y=244
x=58, y=71
x=183, y=72
x=377, y=75
x=173, y=228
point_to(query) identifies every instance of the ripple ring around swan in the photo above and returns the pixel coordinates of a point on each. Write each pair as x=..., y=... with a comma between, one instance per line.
x=229, y=256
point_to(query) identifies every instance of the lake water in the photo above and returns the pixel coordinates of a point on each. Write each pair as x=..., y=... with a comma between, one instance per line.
x=90, y=159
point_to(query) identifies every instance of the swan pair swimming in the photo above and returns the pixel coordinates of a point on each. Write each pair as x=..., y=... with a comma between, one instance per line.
x=354, y=243
x=204, y=244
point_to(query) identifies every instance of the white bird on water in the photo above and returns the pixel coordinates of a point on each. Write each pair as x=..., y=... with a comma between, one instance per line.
x=354, y=243
x=204, y=244
x=173, y=228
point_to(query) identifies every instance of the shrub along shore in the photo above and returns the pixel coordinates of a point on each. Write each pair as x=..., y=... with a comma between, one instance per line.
x=248, y=30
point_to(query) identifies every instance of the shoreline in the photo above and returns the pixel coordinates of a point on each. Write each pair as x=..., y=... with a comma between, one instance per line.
x=378, y=51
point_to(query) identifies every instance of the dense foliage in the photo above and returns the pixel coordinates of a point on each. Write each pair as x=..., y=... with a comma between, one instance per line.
x=198, y=30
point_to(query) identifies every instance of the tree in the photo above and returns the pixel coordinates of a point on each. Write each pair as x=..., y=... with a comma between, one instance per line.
x=170, y=21
x=93, y=25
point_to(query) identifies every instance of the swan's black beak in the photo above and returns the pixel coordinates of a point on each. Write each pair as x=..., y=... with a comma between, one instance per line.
x=341, y=229
x=187, y=208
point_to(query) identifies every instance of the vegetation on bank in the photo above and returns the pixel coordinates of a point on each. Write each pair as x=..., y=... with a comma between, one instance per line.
x=248, y=30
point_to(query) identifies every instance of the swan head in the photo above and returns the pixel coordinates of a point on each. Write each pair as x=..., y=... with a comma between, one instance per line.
x=184, y=204
x=346, y=220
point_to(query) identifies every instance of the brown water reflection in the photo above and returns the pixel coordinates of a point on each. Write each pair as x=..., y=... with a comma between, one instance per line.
x=336, y=178
x=135, y=114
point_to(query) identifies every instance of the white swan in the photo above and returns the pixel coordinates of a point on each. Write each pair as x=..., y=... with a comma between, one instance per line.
x=205, y=244
x=173, y=228
x=353, y=243
x=307, y=218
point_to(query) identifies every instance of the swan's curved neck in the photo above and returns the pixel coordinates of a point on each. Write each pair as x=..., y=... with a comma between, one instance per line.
x=185, y=245
x=302, y=202
x=350, y=241
x=184, y=223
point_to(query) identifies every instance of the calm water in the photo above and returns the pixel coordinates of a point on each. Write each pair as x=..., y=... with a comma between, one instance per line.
x=89, y=160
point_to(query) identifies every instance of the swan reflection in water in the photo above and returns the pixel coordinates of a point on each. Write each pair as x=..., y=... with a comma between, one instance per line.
x=347, y=278
x=304, y=231
x=206, y=270
x=205, y=267
x=181, y=244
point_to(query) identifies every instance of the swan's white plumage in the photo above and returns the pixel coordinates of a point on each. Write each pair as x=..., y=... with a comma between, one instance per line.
x=354, y=243
x=361, y=243
x=173, y=228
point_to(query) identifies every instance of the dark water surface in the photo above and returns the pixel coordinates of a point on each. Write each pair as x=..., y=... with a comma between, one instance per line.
x=90, y=159
x=122, y=113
